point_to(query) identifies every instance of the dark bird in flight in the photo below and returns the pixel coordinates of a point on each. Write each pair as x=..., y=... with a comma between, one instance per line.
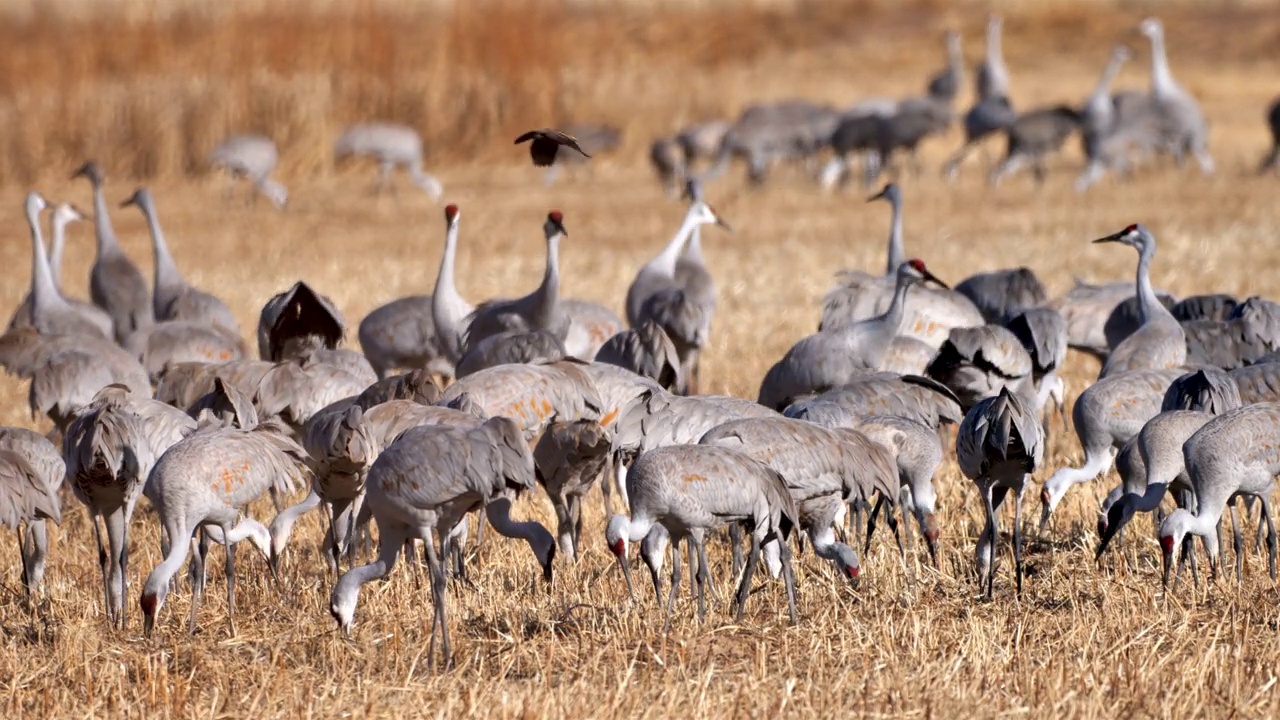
x=545, y=144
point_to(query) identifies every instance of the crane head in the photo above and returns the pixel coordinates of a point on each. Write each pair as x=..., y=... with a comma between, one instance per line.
x=140, y=197
x=1151, y=27
x=450, y=214
x=1135, y=236
x=703, y=214
x=889, y=192
x=555, y=225
x=35, y=203
x=91, y=171
x=615, y=535
x=915, y=270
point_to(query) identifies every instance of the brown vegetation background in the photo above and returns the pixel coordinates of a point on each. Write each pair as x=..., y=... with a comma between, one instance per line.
x=149, y=87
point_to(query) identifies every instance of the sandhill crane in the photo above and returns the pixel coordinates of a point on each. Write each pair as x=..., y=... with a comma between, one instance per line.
x=424, y=484
x=66, y=382
x=1043, y=333
x=228, y=404
x=690, y=489
x=977, y=363
x=678, y=296
x=860, y=295
x=1160, y=342
x=531, y=394
x=545, y=143
x=830, y=358
x=667, y=159
x=207, y=480
x=1088, y=309
x=63, y=215
x=297, y=320
x=390, y=145
x=880, y=393
x=567, y=459
x=1183, y=125
x=945, y=84
x=421, y=331
x=913, y=120
x=44, y=307
x=590, y=325
x=1001, y=294
x=417, y=386
x=183, y=384
x=342, y=448
x=28, y=456
x=115, y=283
x=179, y=341
x=24, y=350
x=1033, y=136
x=1107, y=415
x=511, y=347
x=1258, y=383
x=296, y=390
x=992, y=111
x=645, y=350
x=824, y=470
x=999, y=445
x=1099, y=122
x=1233, y=454
x=539, y=310
x=251, y=157
x=110, y=451
x=1272, y=158
x=173, y=298
x=26, y=499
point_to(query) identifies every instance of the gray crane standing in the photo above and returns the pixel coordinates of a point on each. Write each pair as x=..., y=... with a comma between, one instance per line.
x=1105, y=135
x=423, y=484
x=646, y=351
x=999, y=445
x=63, y=215
x=690, y=489
x=115, y=283
x=46, y=310
x=390, y=145
x=1183, y=126
x=992, y=111
x=206, y=481
x=252, y=157
x=539, y=310
x=1160, y=342
x=567, y=460
x=31, y=471
x=531, y=395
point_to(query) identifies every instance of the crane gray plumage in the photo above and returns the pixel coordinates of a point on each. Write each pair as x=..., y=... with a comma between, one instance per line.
x=110, y=450
x=823, y=469
x=830, y=358
x=567, y=459
x=390, y=145
x=1272, y=159
x=1002, y=294
x=1182, y=123
x=999, y=445
x=63, y=214
x=590, y=325
x=655, y=418
x=879, y=393
x=1032, y=137
x=67, y=382
x=1087, y=308
x=31, y=471
x=766, y=133
x=296, y=390
x=701, y=140
x=24, y=350
x=946, y=83
x=977, y=363
x=1191, y=401
x=545, y=144
x=930, y=312
x=646, y=351
x=1043, y=333
x=418, y=386
x=228, y=404
x=424, y=484
x=207, y=480
x=1125, y=319
x=668, y=162
x=1233, y=454
x=173, y=298
x=165, y=343
x=531, y=394
x=690, y=489
x=1107, y=415
x=421, y=331
x=184, y=384
x=1104, y=140
x=252, y=157
x=992, y=110
x=115, y=283
x=675, y=290
x=511, y=347
x=45, y=308
x=539, y=310
x=1160, y=342
x=1213, y=306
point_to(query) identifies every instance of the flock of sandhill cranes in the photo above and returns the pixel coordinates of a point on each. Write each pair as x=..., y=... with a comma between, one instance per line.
x=1119, y=130
x=152, y=391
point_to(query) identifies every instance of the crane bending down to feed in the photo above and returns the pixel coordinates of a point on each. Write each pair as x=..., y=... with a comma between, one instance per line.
x=999, y=445
x=251, y=157
x=424, y=484
x=30, y=472
x=1233, y=454
x=1160, y=342
x=690, y=489
x=390, y=145
x=206, y=481
x=567, y=460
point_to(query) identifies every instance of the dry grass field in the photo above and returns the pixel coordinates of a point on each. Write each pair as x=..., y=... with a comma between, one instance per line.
x=148, y=93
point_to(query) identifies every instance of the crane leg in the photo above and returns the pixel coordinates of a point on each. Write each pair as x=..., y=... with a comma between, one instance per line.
x=575, y=511
x=735, y=547
x=1017, y=535
x=37, y=546
x=871, y=521
x=788, y=578
x=993, y=536
x=676, y=564
x=230, y=549
x=116, y=528
x=704, y=569
x=692, y=551
x=1237, y=543
x=951, y=168
x=564, y=525
x=103, y=565
x=1271, y=537
x=22, y=554
x=275, y=499
x=748, y=573
x=437, y=597
x=700, y=577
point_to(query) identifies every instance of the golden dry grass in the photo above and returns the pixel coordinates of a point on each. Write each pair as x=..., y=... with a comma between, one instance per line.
x=1083, y=641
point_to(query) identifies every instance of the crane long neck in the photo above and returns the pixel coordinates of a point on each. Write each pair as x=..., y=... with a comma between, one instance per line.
x=1149, y=306
x=638, y=527
x=1161, y=77
x=1100, y=101
x=55, y=252
x=897, y=254
x=102, y=230
x=498, y=511
x=448, y=309
x=693, y=248
x=44, y=292
x=166, y=270
x=893, y=317
x=665, y=262
x=547, y=296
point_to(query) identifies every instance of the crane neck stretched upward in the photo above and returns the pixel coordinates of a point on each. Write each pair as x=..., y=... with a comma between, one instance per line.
x=1100, y=102
x=1149, y=306
x=60, y=223
x=44, y=291
x=448, y=309
x=166, y=270
x=547, y=296
x=1162, y=82
x=103, y=232
x=665, y=262
x=897, y=254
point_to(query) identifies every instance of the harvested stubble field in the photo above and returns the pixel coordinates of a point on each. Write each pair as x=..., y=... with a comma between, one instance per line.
x=149, y=93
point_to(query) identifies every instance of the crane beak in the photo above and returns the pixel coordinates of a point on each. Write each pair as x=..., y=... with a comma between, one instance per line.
x=558, y=227
x=1113, y=237
x=148, y=625
x=727, y=227
x=80, y=214
x=880, y=195
x=1045, y=512
x=132, y=200
x=934, y=279
x=626, y=574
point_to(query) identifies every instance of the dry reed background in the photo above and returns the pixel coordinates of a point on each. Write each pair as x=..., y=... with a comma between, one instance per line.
x=148, y=92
